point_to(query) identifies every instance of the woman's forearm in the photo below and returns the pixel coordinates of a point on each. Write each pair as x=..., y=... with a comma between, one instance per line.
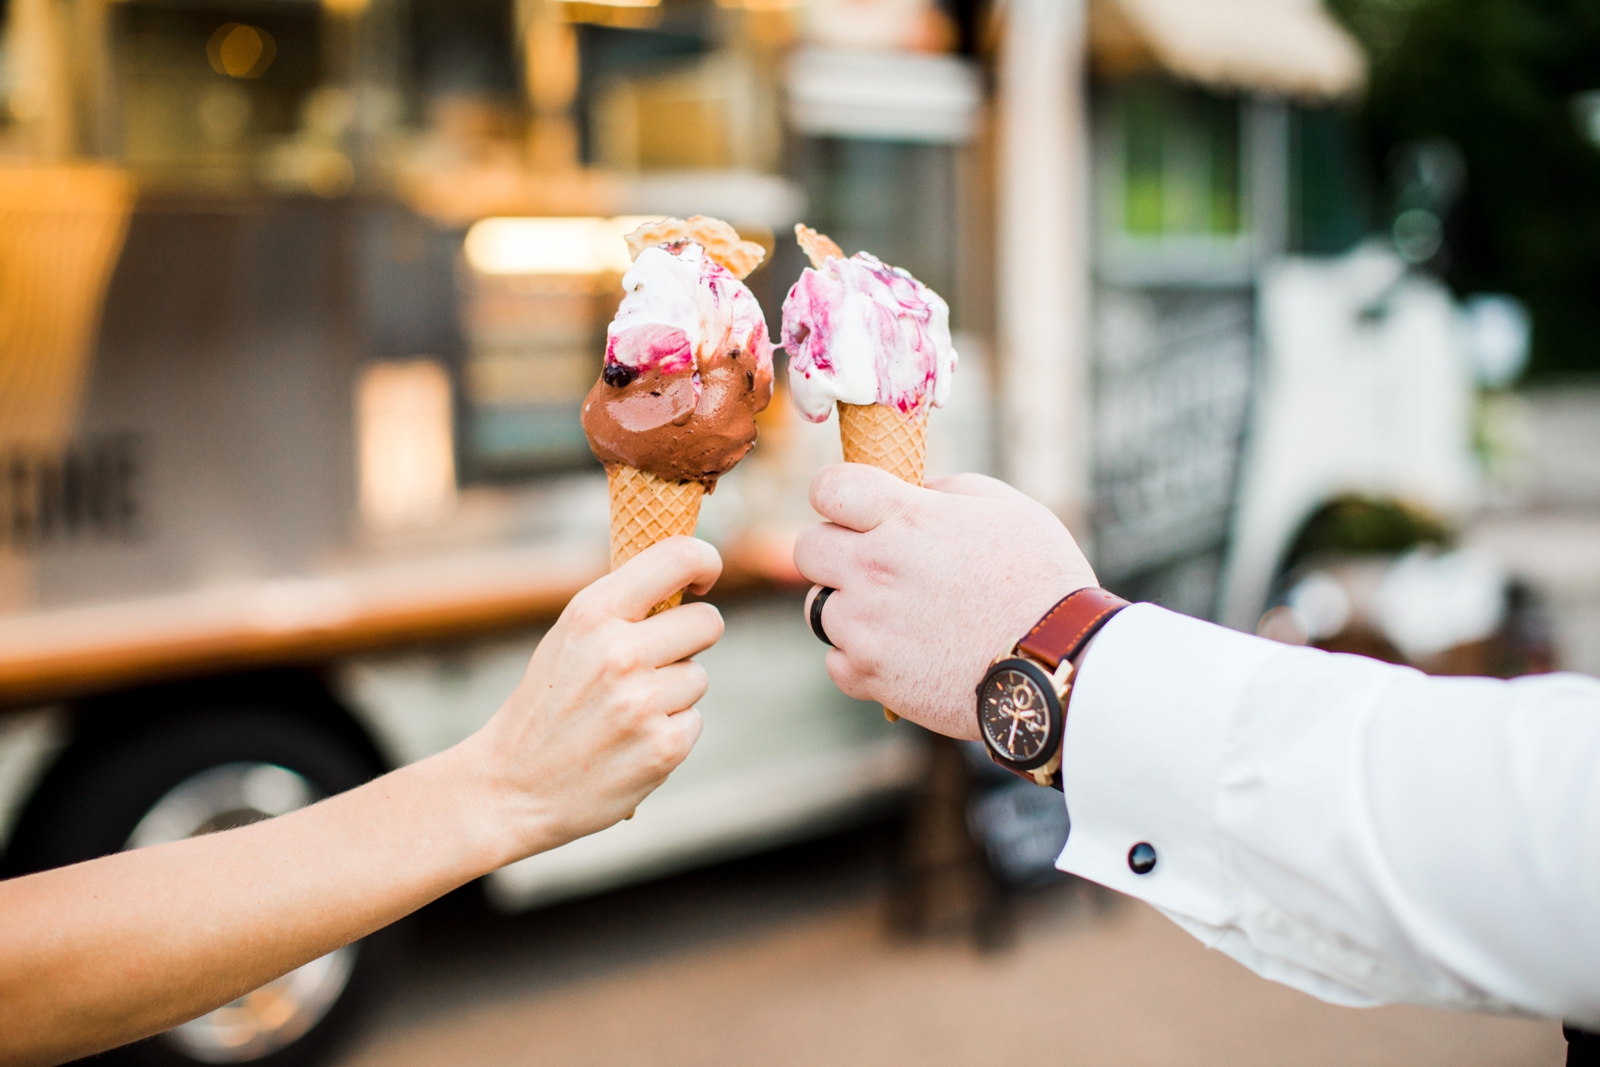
x=122, y=947
x=110, y=951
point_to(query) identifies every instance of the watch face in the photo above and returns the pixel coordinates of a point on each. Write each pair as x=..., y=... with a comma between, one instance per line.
x=1016, y=713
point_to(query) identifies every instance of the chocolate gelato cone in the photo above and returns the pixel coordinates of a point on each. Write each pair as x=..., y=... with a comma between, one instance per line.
x=688, y=365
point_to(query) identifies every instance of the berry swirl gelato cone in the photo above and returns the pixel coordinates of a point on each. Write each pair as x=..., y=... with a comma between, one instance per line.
x=688, y=365
x=875, y=342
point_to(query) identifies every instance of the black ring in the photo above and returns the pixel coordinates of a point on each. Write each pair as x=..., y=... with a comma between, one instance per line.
x=823, y=593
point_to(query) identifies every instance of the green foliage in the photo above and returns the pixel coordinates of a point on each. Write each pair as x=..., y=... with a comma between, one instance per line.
x=1330, y=205
x=1498, y=78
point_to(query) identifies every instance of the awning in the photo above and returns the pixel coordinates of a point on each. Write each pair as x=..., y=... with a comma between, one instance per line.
x=883, y=95
x=1287, y=47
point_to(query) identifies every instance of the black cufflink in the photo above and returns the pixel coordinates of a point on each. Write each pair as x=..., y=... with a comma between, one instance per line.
x=1142, y=858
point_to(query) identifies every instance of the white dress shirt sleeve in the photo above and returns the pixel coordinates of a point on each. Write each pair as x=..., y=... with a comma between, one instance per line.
x=1357, y=830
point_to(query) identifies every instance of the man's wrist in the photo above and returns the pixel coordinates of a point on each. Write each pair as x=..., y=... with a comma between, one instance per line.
x=1029, y=609
x=1023, y=698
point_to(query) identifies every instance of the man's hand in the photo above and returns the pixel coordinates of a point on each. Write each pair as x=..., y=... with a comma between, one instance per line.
x=932, y=584
x=606, y=709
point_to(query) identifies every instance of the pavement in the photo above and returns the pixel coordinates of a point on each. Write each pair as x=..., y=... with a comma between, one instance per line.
x=784, y=960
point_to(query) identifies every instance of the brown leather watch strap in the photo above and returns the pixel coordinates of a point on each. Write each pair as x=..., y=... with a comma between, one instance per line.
x=1067, y=627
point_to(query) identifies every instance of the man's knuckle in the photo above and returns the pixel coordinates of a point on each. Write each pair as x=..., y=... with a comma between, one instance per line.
x=846, y=677
x=914, y=516
x=805, y=544
x=878, y=571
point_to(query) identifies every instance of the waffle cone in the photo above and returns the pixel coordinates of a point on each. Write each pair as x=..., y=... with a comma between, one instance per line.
x=646, y=509
x=881, y=437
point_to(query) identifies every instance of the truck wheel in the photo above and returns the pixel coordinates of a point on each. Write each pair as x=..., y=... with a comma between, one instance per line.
x=199, y=775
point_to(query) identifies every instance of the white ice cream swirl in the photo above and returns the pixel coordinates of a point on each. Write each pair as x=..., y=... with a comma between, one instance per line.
x=681, y=311
x=863, y=332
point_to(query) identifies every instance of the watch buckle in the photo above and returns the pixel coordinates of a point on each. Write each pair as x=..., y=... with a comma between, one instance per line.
x=1044, y=775
x=1062, y=676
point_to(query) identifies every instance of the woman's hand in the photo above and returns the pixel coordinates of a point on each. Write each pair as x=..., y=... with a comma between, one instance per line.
x=606, y=709
x=932, y=584
x=115, y=949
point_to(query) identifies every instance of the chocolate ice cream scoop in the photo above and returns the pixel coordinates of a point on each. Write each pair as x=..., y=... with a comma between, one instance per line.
x=688, y=365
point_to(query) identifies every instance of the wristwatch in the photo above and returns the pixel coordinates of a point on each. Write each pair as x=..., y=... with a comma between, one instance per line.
x=1022, y=699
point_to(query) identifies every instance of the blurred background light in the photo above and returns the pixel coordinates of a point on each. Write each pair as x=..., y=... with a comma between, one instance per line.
x=406, y=444
x=1586, y=110
x=241, y=51
x=579, y=245
x=1321, y=606
x=1498, y=333
x=1418, y=234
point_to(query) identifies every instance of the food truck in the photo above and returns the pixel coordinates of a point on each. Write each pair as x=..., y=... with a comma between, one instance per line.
x=298, y=302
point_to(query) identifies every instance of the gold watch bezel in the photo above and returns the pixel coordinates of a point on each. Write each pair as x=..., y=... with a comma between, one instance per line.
x=1061, y=679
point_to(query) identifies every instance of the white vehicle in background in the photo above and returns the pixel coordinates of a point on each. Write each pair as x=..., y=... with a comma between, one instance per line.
x=1260, y=380
x=1360, y=471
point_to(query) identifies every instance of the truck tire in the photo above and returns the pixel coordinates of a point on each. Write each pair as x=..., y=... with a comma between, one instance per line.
x=199, y=774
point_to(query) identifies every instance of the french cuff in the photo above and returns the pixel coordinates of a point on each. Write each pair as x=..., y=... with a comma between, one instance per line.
x=1146, y=735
